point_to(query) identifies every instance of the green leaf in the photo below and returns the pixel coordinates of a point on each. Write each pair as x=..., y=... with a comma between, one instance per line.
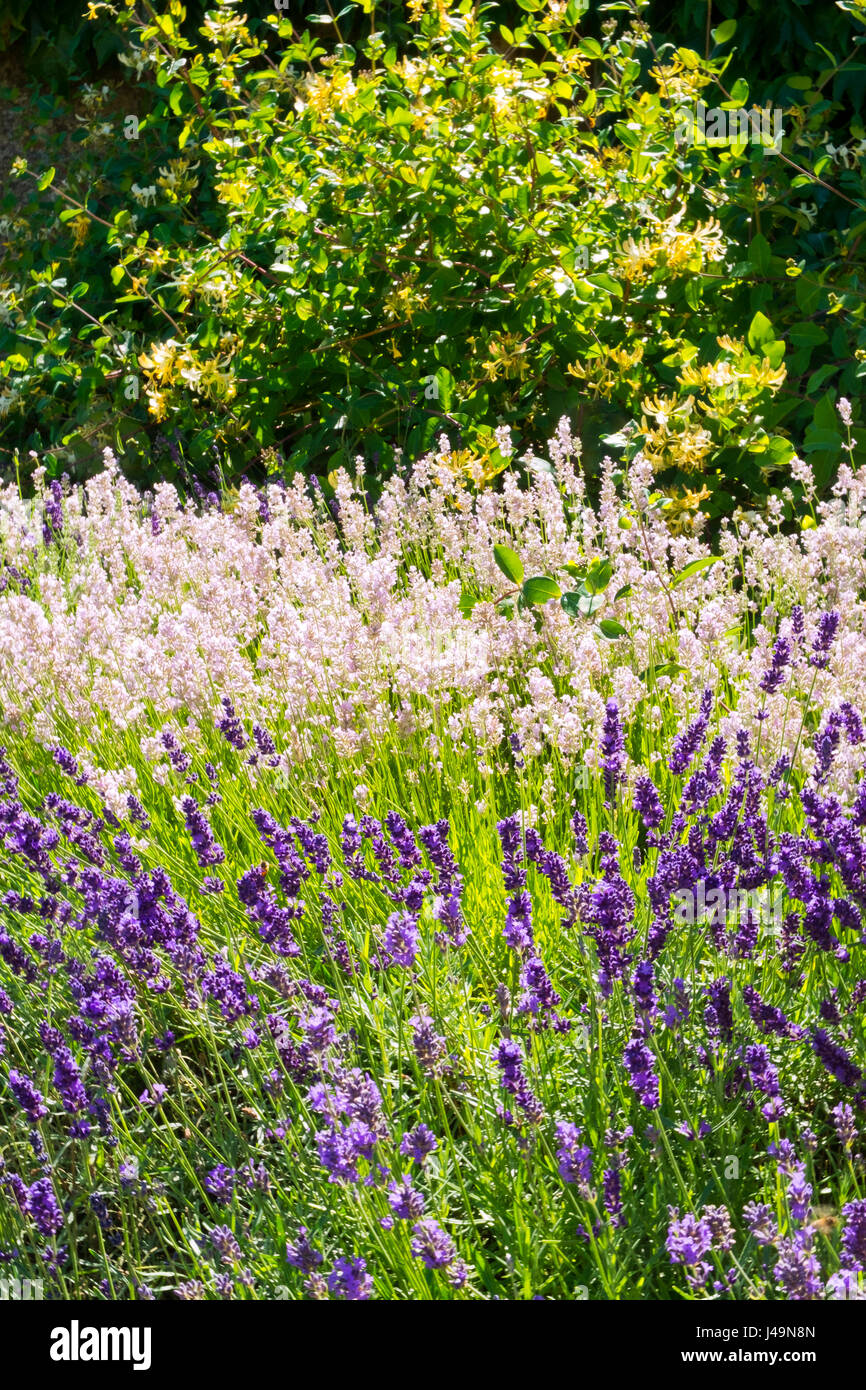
x=570, y=604
x=510, y=564
x=611, y=629
x=541, y=589
x=46, y=180
x=760, y=254
x=598, y=576
x=760, y=330
x=621, y=593
x=590, y=603
x=606, y=282
x=695, y=568
x=739, y=92
x=806, y=334
x=781, y=449
x=666, y=668
x=467, y=602
x=725, y=31
x=445, y=386
x=808, y=295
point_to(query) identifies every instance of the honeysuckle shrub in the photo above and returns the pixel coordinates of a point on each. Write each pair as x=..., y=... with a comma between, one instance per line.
x=291, y=258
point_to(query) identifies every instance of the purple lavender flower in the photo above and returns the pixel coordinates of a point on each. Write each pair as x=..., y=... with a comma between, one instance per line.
x=718, y=1015
x=154, y=1095
x=405, y=1201
x=827, y=626
x=845, y=720
x=718, y=1221
x=225, y=1244
x=797, y=1269
x=553, y=867
x=608, y=910
x=190, y=1291
x=513, y=872
x=846, y=1128
x=518, y=922
x=764, y=1078
x=342, y=1146
x=264, y=742
x=275, y=922
x=230, y=726
x=612, y=748
x=448, y=912
x=180, y=761
x=774, y=676
x=678, y=1011
x=746, y=938
x=835, y=1058
x=768, y=1018
x=432, y=1245
x=137, y=812
x=418, y=1144
x=27, y=1096
x=799, y=1193
x=573, y=1158
x=580, y=830
x=431, y=1049
x=320, y=1030
x=686, y=744
x=434, y=838
x=513, y=1079
x=516, y=748
x=67, y=1080
x=854, y=1235
x=829, y=1008
x=302, y=1255
x=43, y=1208
x=66, y=762
x=539, y=999
x=612, y=1199
x=227, y=987
x=207, y=850
x=403, y=840
x=220, y=1183
x=349, y=1280
x=640, y=1064
x=642, y=984
x=647, y=802
x=52, y=513
x=401, y=939
x=689, y=1241
x=759, y=1222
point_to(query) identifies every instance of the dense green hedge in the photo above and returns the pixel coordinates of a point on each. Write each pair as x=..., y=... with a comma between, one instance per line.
x=373, y=259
